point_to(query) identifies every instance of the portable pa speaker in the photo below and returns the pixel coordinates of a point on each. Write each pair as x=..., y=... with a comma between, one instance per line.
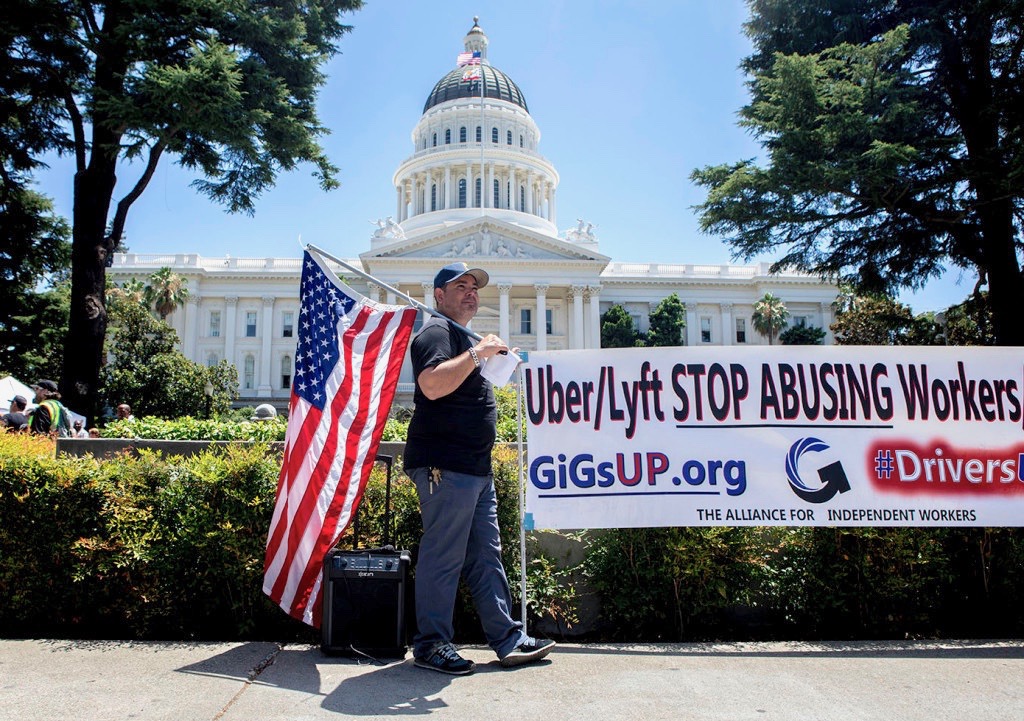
x=365, y=595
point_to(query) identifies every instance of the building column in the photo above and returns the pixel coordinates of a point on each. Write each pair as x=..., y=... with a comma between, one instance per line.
x=400, y=210
x=513, y=189
x=447, y=193
x=542, y=315
x=264, y=389
x=503, y=324
x=191, y=330
x=594, y=292
x=390, y=297
x=553, y=216
x=692, y=331
x=529, y=192
x=728, y=330
x=373, y=291
x=826, y=323
x=576, y=293
x=230, y=329
x=469, y=186
x=428, y=294
x=414, y=200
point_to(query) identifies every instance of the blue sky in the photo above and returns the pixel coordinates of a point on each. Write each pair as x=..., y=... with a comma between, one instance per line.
x=630, y=97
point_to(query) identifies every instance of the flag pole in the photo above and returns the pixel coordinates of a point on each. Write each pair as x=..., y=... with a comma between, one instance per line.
x=522, y=492
x=412, y=301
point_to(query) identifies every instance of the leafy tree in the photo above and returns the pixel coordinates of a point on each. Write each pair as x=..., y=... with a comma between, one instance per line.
x=37, y=350
x=769, y=316
x=146, y=371
x=617, y=329
x=667, y=323
x=802, y=335
x=228, y=88
x=969, y=323
x=878, y=319
x=165, y=292
x=894, y=145
x=34, y=256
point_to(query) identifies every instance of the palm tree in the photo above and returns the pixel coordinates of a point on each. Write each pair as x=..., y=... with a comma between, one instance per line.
x=165, y=292
x=769, y=316
x=133, y=290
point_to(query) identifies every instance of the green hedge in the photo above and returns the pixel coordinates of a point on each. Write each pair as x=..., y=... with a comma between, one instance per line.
x=172, y=548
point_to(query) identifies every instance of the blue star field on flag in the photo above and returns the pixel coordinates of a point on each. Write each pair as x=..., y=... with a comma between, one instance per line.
x=316, y=352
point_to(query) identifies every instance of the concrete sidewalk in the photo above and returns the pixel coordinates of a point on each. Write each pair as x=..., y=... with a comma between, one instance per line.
x=110, y=680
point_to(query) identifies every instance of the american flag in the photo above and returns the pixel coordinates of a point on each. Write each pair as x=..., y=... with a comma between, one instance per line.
x=467, y=59
x=347, y=362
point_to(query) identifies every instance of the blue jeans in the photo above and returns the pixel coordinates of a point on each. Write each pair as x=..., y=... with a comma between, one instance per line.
x=460, y=537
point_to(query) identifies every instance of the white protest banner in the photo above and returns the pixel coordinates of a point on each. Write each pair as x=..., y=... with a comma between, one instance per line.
x=777, y=436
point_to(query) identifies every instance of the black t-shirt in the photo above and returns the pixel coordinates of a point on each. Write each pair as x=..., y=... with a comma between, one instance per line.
x=456, y=431
x=14, y=420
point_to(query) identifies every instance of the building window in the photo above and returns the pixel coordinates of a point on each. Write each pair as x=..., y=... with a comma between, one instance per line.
x=435, y=140
x=508, y=194
x=508, y=137
x=635, y=317
x=799, y=321
x=477, y=202
x=522, y=198
x=494, y=135
x=462, y=192
x=211, y=360
x=497, y=195
x=286, y=372
x=705, y=329
x=521, y=141
x=548, y=323
x=215, y=324
x=741, y=330
x=249, y=377
x=525, y=326
x=433, y=196
x=447, y=136
x=287, y=324
x=479, y=133
x=250, y=324
x=462, y=134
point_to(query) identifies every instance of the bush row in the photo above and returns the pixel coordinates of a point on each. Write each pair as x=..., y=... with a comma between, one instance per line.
x=172, y=548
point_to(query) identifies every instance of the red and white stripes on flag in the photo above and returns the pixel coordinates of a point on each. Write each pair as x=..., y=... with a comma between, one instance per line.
x=347, y=362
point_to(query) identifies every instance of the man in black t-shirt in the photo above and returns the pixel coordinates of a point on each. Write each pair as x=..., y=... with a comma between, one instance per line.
x=448, y=457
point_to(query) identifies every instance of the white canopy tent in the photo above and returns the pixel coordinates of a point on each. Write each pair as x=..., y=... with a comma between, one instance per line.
x=10, y=387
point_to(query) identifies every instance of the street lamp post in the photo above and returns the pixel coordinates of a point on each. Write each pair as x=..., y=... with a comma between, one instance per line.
x=208, y=390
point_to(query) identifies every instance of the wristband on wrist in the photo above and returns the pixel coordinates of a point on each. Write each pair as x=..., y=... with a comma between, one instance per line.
x=474, y=356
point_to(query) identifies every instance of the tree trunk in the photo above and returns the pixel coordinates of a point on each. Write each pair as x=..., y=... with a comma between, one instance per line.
x=87, y=325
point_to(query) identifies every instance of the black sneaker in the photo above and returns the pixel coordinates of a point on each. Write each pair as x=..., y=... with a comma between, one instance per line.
x=444, y=658
x=530, y=650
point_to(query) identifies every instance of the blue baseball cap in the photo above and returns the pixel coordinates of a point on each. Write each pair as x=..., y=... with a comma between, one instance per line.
x=454, y=271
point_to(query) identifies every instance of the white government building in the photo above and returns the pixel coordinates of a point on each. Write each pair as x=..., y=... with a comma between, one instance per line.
x=475, y=188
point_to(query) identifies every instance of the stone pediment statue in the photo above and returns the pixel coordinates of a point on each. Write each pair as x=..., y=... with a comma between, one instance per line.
x=387, y=228
x=582, y=233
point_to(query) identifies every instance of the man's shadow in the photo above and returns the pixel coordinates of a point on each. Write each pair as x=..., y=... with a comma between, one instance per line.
x=398, y=689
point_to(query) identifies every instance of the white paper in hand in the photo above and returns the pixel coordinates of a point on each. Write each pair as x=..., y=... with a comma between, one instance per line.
x=499, y=368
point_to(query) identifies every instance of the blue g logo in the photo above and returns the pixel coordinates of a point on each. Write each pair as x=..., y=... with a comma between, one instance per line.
x=833, y=477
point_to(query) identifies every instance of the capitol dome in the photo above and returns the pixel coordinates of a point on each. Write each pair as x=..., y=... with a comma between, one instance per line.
x=497, y=85
x=475, y=153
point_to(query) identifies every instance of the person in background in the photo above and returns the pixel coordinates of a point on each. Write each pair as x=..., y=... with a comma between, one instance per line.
x=124, y=412
x=448, y=457
x=94, y=432
x=50, y=416
x=15, y=419
x=78, y=431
